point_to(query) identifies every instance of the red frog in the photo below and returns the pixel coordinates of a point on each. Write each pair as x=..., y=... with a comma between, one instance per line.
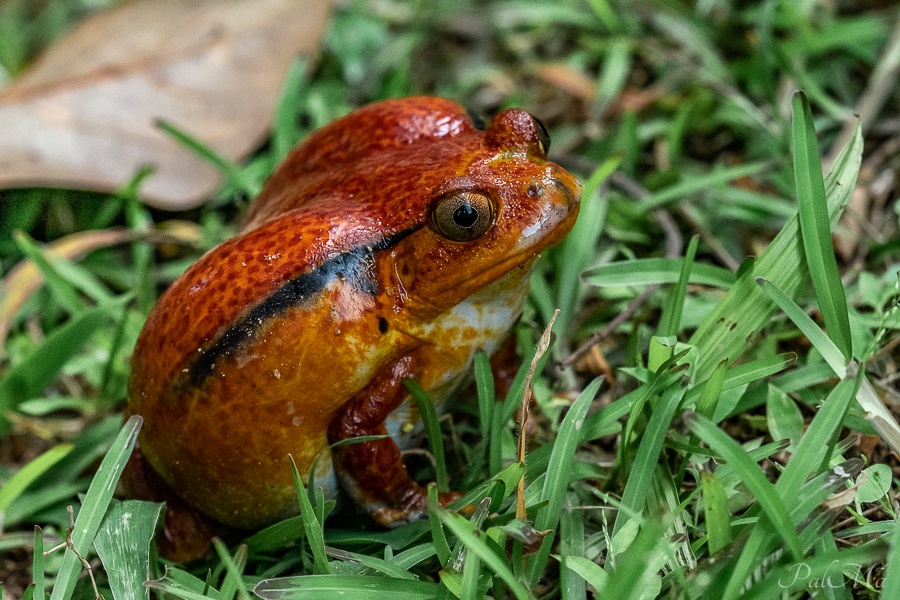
x=393, y=243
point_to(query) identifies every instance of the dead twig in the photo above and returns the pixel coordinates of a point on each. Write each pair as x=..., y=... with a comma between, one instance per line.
x=71, y=546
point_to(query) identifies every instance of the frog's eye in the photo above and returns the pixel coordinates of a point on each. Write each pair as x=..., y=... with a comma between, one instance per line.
x=543, y=135
x=463, y=217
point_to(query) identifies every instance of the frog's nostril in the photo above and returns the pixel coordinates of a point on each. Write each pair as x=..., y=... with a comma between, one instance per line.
x=535, y=190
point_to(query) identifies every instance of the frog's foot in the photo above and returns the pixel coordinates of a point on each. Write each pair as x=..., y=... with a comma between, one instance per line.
x=373, y=473
x=186, y=533
x=391, y=516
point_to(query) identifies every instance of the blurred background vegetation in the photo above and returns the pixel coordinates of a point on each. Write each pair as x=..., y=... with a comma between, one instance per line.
x=690, y=100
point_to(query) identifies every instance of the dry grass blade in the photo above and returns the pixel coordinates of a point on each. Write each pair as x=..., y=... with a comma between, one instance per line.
x=543, y=345
x=83, y=116
x=25, y=278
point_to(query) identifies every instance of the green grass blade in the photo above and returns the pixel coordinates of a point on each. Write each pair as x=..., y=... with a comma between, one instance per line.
x=648, y=271
x=16, y=484
x=571, y=545
x=473, y=543
x=805, y=324
x=783, y=417
x=558, y=473
x=700, y=183
x=234, y=569
x=715, y=510
x=892, y=566
x=578, y=249
x=142, y=253
x=804, y=376
x=236, y=176
x=783, y=578
x=179, y=591
x=378, y=564
x=712, y=390
x=635, y=575
x=670, y=321
x=750, y=372
x=37, y=564
x=590, y=571
x=470, y=575
x=275, y=536
x=827, y=421
x=452, y=580
x=182, y=584
x=638, y=485
x=123, y=545
x=721, y=336
x=314, y=534
x=763, y=541
x=484, y=383
x=439, y=538
x=348, y=587
x=61, y=289
x=432, y=432
x=415, y=555
x=613, y=74
x=94, y=507
x=285, y=132
x=815, y=227
x=28, y=378
x=567, y=440
x=509, y=477
x=80, y=278
x=750, y=473
x=661, y=349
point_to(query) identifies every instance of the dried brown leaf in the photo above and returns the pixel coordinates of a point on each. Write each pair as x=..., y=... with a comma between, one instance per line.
x=83, y=116
x=567, y=79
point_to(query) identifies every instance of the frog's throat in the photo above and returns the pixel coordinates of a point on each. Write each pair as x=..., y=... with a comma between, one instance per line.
x=419, y=307
x=352, y=267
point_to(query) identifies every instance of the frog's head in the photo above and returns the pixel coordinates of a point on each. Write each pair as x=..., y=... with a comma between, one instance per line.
x=503, y=205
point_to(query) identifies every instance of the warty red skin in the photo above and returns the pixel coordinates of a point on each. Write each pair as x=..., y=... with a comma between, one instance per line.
x=230, y=379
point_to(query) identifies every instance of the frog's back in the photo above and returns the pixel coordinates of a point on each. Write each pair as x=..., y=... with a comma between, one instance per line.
x=351, y=189
x=391, y=244
x=340, y=161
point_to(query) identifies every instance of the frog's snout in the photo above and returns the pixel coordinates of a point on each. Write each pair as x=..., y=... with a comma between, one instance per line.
x=566, y=188
x=569, y=191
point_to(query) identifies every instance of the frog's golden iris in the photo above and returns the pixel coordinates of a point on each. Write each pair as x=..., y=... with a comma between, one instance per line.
x=463, y=217
x=395, y=242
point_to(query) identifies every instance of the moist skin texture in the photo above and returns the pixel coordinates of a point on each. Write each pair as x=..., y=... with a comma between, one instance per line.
x=298, y=332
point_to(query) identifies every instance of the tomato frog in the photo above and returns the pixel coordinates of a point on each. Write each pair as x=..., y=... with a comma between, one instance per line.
x=393, y=243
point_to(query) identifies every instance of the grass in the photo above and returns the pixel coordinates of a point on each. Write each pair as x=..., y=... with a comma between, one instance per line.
x=738, y=445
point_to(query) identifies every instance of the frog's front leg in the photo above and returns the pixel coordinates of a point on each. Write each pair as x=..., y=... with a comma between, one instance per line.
x=373, y=472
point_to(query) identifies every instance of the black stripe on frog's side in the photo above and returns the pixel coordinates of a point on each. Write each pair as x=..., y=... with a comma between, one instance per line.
x=354, y=267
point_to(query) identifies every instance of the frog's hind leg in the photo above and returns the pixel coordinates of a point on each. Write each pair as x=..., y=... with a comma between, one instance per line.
x=373, y=473
x=186, y=533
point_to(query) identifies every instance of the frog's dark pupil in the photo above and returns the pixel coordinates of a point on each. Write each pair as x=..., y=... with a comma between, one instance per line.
x=465, y=216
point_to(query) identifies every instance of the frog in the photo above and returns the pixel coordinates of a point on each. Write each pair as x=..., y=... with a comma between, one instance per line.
x=391, y=244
